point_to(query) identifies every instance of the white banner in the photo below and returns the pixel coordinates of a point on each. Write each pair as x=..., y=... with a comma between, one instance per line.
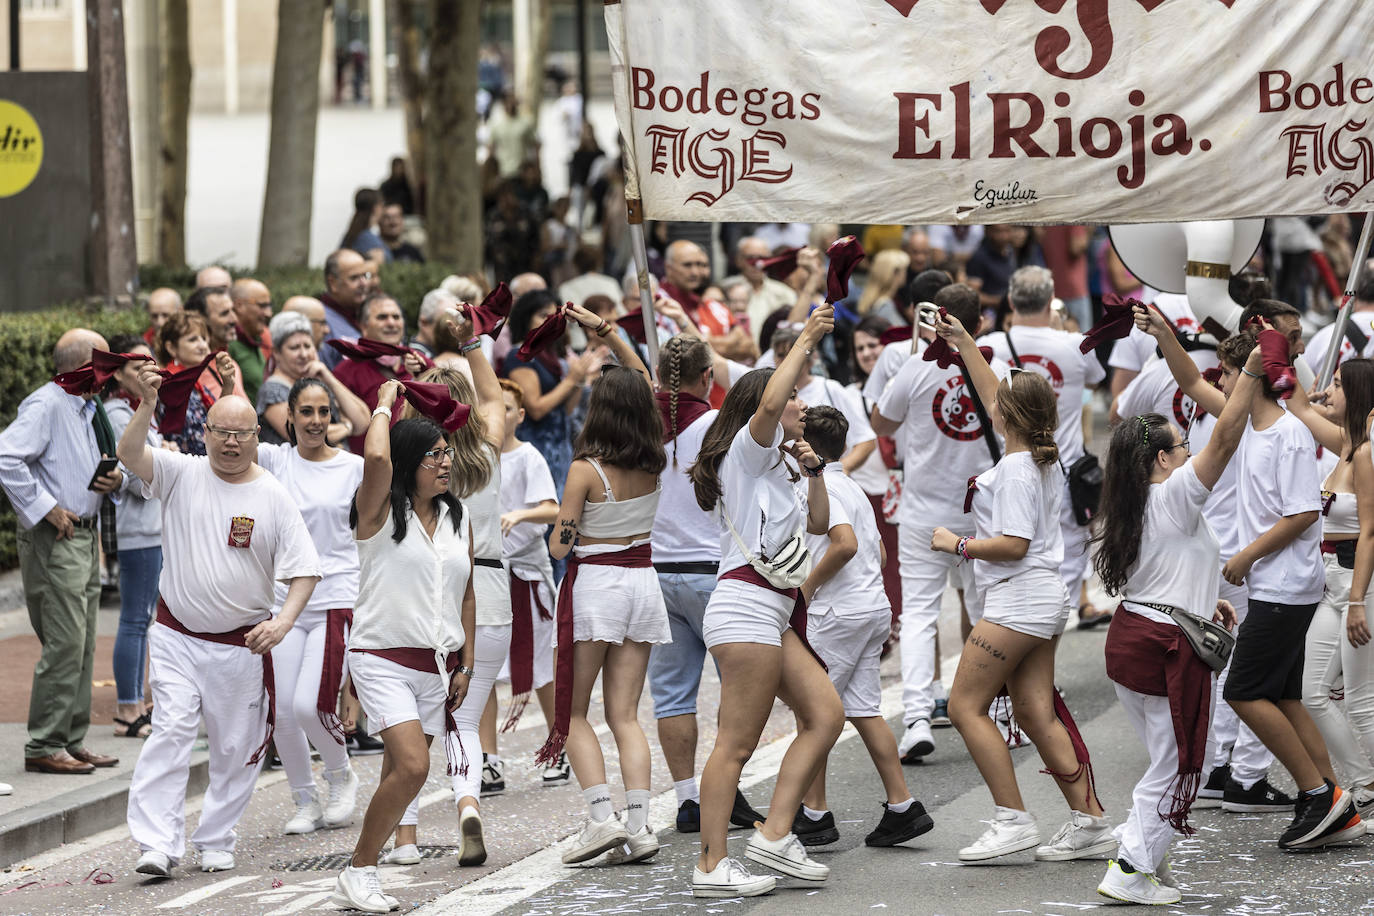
x=945, y=111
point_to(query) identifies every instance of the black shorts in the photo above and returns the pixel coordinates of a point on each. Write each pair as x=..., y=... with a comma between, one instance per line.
x=1267, y=661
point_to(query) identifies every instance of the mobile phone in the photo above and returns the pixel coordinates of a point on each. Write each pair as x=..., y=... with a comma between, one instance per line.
x=105, y=466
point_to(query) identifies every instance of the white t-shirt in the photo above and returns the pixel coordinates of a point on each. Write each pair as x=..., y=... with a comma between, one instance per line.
x=490, y=584
x=225, y=544
x=1277, y=476
x=857, y=589
x=1055, y=355
x=890, y=362
x=758, y=497
x=1155, y=391
x=871, y=476
x=1321, y=341
x=943, y=238
x=323, y=491
x=827, y=392
x=1136, y=349
x=526, y=483
x=1179, y=562
x=944, y=445
x=1022, y=499
x=1220, y=510
x=682, y=532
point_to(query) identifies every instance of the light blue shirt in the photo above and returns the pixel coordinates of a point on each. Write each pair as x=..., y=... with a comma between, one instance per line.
x=48, y=454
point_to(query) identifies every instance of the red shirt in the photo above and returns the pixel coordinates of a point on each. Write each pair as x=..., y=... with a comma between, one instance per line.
x=1070, y=271
x=711, y=317
x=364, y=377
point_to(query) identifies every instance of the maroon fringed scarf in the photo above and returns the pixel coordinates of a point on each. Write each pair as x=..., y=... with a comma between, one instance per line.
x=1118, y=317
x=524, y=599
x=337, y=622
x=1155, y=659
x=488, y=317
x=424, y=660
x=96, y=374
x=434, y=400
x=797, y=621
x=641, y=557
x=1277, y=363
x=233, y=638
x=175, y=394
x=547, y=333
x=1080, y=750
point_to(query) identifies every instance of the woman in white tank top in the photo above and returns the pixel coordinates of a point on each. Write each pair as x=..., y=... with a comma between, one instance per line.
x=1338, y=648
x=610, y=608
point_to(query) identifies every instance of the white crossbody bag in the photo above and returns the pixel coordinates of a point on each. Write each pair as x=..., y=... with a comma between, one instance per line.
x=788, y=567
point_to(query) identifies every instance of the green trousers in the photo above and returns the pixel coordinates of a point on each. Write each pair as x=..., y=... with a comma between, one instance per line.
x=62, y=589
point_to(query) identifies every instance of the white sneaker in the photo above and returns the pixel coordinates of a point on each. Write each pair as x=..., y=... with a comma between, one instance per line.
x=730, y=879
x=1082, y=837
x=472, y=848
x=408, y=854
x=6, y=788
x=639, y=846
x=343, y=798
x=1363, y=798
x=1165, y=875
x=493, y=778
x=786, y=855
x=558, y=773
x=1136, y=887
x=597, y=837
x=309, y=815
x=360, y=889
x=157, y=864
x=216, y=860
x=1003, y=837
x=917, y=742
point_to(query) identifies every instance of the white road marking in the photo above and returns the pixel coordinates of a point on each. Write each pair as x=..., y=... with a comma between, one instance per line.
x=203, y=893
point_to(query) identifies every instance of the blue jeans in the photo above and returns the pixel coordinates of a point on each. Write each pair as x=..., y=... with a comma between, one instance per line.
x=138, y=577
x=675, y=667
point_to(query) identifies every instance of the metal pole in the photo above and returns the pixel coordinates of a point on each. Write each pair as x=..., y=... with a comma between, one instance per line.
x=1333, y=352
x=646, y=298
x=14, y=35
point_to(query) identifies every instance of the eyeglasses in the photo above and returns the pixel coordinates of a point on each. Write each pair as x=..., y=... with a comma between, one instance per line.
x=434, y=453
x=365, y=277
x=1183, y=445
x=238, y=435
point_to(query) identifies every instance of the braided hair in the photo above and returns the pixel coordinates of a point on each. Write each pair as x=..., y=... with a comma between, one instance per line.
x=681, y=355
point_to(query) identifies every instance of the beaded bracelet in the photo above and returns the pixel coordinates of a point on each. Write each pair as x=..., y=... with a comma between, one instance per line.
x=962, y=548
x=470, y=345
x=382, y=410
x=604, y=328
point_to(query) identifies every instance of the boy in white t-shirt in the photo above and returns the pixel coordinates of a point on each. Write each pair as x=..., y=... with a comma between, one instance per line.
x=848, y=620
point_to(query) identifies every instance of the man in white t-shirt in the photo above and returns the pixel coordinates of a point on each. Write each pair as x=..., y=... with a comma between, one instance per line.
x=944, y=447
x=860, y=440
x=1032, y=344
x=1357, y=339
x=230, y=532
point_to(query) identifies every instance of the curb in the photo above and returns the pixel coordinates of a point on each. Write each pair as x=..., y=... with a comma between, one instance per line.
x=78, y=814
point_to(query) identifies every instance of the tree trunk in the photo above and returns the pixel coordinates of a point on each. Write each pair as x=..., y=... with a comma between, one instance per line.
x=288, y=201
x=530, y=83
x=406, y=16
x=454, y=217
x=175, y=73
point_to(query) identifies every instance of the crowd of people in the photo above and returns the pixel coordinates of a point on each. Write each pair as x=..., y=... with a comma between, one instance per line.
x=337, y=531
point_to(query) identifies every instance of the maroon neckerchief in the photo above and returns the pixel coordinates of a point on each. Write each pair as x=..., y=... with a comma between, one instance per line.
x=96, y=374
x=177, y=385
x=524, y=599
x=689, y=410
x=641, y=557
x=544, y=336
x=1277, y=363
x=845, y=255
x=797, y=621
x=423, y=660
x=895, y=334
x=235, y=637
x=488, y=317
x=1156, y=659
x=337, y=622
x=1118, y=317
x=434, y=400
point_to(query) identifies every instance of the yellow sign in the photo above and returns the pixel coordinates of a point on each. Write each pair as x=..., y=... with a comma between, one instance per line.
x=21, y=148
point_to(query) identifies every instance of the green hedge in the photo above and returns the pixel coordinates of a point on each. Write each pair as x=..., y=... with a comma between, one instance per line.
x=27, y=338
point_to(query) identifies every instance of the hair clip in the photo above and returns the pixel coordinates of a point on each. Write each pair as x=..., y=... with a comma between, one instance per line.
x=1145, y=430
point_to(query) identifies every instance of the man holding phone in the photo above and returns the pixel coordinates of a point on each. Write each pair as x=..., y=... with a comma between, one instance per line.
x=51, y=469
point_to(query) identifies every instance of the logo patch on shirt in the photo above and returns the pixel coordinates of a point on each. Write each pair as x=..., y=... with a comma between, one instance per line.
x=240, y=531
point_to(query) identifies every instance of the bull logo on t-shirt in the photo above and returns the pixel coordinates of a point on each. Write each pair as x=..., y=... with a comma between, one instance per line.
x=1184, y=409
x=1046, y=367
x=953, y=411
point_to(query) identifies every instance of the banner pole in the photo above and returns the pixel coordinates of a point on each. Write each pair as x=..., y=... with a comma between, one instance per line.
x=1333, y=352
x=635, y=210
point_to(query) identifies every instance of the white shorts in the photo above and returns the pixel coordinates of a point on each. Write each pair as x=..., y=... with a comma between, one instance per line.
x=742, y=612
x=852, y=649
x=1033, y=602
x=614, y=604
x=391, y=694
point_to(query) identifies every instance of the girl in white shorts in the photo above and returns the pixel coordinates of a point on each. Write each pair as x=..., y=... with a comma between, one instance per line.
x=741, y=474
x=1019, y=548
x=610, y=608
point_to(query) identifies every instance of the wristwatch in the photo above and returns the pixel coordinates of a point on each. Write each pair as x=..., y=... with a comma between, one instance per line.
x=816, y=471
x=464, y=669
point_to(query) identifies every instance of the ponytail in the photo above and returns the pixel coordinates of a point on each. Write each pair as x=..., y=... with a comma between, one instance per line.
x=1120, y=521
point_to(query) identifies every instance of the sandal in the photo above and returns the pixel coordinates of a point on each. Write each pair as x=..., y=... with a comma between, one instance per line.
x=1087, y=621
x=141, y=727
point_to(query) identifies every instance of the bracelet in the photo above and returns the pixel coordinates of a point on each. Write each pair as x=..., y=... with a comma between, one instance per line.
x=382, y=410
x=603, y=329
x=464, y=669
x=470, y=345
x=962, y=548
x=1249, y=373
x=1355, y=603
x=817, y=471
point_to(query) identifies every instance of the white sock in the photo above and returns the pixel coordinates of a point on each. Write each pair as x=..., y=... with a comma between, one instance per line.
x=812, y=814
x=1020, y=817
x=901, y=808
x=339, y=775
x=686, y=790
x=636, y=810
x=492, y=759
x=466, y=808
x=599, y=802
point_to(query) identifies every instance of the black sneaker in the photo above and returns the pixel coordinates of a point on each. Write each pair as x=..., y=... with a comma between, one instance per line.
x=1315, y=814
x=1261, y=798
x=897, y=828
x=363, y=745
x=1211, y=795
x=689, y=817
x=1344, y=829
x=743, y=814
x=815, y=833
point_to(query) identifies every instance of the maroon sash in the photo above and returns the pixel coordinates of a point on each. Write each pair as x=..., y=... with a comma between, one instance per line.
x=524, y=598
x=337, y=622
x=423, y=660
x=233, y=638
x=797, y=621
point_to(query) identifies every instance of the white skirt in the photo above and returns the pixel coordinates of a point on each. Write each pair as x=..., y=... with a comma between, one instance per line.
x=614, y=604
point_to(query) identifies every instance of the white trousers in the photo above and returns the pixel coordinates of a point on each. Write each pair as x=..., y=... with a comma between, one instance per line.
x=489, y=654
x=1074, y=568
x=1145, y=836
x=192, y=678
x=1329, y=660
x=1233, y=742
x=925, y=574
x=297, y=663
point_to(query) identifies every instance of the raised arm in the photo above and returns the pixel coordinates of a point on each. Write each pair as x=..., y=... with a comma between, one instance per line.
x=784, y=380
x=1212, y=461
x=603, y=329
x=979, y=372
x=374, y=493
x=1181, y=365
x=810, y=259
x=1329, y=435
x=484, y=382
x=133, y=448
